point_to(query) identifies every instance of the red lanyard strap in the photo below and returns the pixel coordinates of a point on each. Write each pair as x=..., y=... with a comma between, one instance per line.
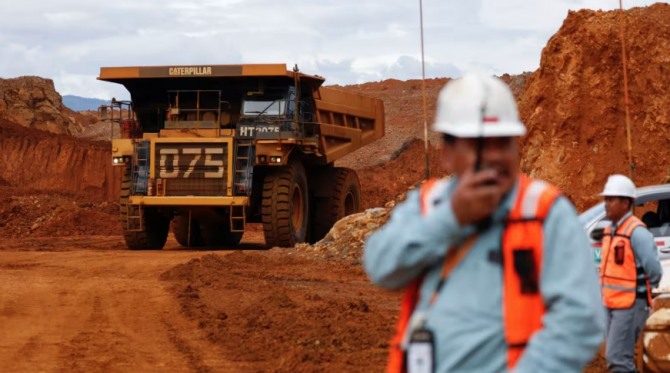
x=453, y=258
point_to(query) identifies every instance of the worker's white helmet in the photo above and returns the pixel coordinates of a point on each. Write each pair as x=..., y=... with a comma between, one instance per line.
x=477, y=105
x=619, y=186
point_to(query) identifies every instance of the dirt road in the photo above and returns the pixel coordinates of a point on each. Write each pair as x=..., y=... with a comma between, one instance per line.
x=88, y=304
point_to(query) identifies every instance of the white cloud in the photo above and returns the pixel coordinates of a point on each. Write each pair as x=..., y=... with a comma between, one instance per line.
x=525, y=15
x=345, y=41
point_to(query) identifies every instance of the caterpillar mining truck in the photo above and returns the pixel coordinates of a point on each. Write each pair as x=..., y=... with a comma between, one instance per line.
x=207, y=149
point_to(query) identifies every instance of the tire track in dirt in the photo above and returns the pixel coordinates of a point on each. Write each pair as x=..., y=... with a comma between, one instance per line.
x=93, y=310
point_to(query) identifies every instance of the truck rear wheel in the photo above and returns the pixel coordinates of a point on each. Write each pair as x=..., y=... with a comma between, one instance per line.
x=338, y=195
x=285, y=208
x=155, y=225
x=188, y=235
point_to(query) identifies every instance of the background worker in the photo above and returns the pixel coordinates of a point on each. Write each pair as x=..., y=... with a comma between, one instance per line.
x=629, y=269
x=497, y=269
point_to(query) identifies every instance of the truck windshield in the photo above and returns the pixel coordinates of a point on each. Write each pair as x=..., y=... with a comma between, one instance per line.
x=264, y=106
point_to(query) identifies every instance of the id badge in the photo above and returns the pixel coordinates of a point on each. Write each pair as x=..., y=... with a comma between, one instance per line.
x=420, y=352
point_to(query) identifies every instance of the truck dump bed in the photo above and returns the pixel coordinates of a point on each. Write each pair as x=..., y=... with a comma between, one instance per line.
x=348, y=121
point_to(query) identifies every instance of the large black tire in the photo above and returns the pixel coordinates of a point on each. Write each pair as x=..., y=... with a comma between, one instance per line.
x=219, y=235
x=187, y=236
x=156, y=226
x=338, y=195
x=285, y=207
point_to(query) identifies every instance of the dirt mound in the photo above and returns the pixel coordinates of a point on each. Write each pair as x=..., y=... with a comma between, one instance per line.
x=302, y=316
x=407, y=166
x=574, y=104
x=33, y=102
x=35, y=214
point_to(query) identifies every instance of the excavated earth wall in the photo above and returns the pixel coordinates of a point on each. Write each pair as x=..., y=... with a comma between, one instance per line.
x=574, y=103
x=37, y=160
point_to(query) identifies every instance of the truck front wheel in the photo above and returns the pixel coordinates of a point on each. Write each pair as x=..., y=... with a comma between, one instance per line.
x=285, y=208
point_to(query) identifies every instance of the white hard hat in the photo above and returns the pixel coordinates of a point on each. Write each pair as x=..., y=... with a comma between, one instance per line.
x=477, y=105
x=619, y=186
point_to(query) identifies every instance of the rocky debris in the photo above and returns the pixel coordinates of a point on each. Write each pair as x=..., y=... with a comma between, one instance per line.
x=656, y=336
x=33, y=102
x=346, y=239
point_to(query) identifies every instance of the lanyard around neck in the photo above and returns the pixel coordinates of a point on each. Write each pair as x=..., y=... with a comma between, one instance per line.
x=454, y=256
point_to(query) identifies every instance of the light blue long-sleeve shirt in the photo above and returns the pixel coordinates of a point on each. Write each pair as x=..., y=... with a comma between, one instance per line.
x=467, y=316
x=646, y=253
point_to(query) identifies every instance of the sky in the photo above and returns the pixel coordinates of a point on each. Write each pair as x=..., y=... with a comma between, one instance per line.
x=346, y=41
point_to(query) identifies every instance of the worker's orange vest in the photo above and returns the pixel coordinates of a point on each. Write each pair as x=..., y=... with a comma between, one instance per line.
x=618, y=273
x=522, y=247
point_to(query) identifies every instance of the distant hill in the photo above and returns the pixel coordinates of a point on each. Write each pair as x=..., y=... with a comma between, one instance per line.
x=77, y=103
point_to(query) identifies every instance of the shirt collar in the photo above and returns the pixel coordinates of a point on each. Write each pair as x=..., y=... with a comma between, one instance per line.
x=623, y=218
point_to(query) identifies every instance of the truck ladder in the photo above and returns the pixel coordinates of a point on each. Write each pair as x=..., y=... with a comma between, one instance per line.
x=140, y=181
x=134, y=221
x=140, y=168
x=238, y=218
x=244, y=157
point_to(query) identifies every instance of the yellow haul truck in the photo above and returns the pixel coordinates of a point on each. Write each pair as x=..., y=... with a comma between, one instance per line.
x=207, y=149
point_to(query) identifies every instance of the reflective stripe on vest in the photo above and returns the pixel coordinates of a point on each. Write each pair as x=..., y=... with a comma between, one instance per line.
x=619, y=275
x=522, y=243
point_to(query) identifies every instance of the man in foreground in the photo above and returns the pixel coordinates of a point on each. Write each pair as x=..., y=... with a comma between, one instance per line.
x=497, y=269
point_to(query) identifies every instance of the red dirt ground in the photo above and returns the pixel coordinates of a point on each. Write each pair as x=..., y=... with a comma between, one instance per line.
x=300, y=309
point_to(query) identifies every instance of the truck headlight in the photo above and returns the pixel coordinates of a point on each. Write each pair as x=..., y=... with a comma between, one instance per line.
x=120, y=160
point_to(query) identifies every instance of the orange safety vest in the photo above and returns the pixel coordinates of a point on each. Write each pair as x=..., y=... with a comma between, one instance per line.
x=618, y=275
x=522, y=248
